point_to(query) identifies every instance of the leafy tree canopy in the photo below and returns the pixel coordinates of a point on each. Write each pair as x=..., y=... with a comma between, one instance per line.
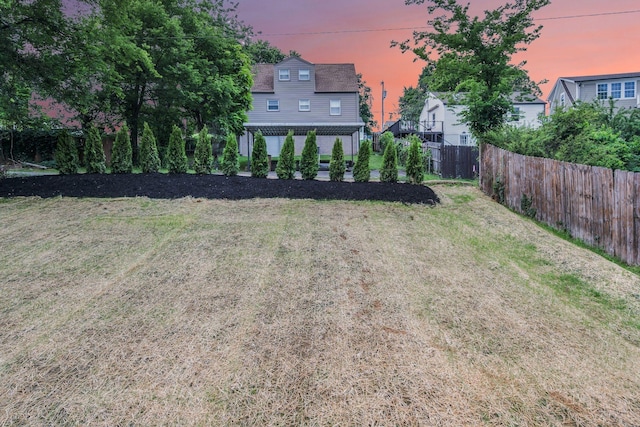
x=588, y=133
x=262, y=52
x=474, y=56
x=365, y=105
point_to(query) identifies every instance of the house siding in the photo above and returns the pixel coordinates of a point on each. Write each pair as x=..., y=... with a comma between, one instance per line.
x=453, y=131
x=289, y=113
x=289, y=93
x=585, y=89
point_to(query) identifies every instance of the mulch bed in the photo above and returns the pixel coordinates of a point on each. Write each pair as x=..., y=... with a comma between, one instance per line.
x=173, y=186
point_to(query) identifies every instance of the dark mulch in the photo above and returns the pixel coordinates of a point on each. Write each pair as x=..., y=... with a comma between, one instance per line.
x=164, y=186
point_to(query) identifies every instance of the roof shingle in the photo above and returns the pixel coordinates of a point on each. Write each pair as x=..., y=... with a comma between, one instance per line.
x=330, y=78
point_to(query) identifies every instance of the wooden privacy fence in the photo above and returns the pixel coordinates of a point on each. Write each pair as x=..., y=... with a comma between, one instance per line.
x=459, y=162
x=596, y=205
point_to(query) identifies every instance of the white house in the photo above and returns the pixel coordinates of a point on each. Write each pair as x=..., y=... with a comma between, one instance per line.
x=440, y=120
x=621, y=88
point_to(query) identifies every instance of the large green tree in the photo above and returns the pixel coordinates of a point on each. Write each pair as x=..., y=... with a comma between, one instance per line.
x=475, y=54
x=31, y=34
x=163, y=62
x=366, y=101
x=413, y=98
x=263, y=52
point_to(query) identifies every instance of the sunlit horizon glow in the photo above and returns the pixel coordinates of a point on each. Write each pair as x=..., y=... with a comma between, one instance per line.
x=322, y=32
x=361, y=32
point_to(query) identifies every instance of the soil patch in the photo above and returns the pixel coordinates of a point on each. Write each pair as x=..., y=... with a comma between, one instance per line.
x=174, y=186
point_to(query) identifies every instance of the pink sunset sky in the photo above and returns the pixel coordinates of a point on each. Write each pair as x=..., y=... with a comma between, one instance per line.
x=360, y=32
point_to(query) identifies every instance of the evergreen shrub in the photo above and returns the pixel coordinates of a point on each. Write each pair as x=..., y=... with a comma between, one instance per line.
x=337, y=167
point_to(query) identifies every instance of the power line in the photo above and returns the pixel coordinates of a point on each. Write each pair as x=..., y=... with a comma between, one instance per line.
x=377, y=30
x=623, y=12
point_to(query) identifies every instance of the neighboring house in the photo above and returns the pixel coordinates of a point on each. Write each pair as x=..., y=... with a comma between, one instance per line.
x=622, y=88
x=440, y=120
x=300, y=96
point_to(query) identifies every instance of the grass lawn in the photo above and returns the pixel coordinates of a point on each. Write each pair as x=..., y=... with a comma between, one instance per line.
x=289, y=312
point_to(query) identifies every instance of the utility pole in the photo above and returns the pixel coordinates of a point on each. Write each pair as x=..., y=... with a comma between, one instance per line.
x=384, y=95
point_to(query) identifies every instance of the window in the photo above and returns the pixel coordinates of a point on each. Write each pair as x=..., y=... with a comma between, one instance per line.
x=283, y=74
x=304, y=75
x=304, y=105
x=616, y=90
x=464, y=139
x=335, y=108
x=562, y=99
x=629, y=89
x=515, y=114
x=273, y=105
x=603, y=91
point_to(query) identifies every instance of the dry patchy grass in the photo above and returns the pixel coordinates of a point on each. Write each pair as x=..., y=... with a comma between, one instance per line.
x=289, y=312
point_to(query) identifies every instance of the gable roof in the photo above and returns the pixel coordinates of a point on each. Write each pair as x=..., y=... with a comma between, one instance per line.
x=517, y=98
x=329, y=78
x=602, y=77
x=263, y=78
x=336, y=78
x=562, y=82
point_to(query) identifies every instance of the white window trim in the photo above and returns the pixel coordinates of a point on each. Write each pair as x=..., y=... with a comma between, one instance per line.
x=281, y=74
x=277, y=101
x=304, y=75
x=622, y=84
x=339, y=107
x=304, y=105
x=624, y=89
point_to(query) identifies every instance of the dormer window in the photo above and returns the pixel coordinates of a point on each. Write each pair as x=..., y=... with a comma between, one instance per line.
x=284, y=74
x=304, y=75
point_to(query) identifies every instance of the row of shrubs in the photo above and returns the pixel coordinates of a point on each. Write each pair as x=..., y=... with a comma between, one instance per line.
x=67, y=158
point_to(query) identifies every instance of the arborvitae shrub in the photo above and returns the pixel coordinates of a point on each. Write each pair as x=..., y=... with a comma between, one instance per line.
x=259, y=158
x=94, y=158
x=336, y=165
x=203, y=157
x=401, y=152
x=415, y=163
x=230, y=161
x=149, y=157
x=286, y=167
x=176, y=157
x=309, y=160
x=121, y=154
x=389, y=171
x=385, y=139
x=361, y=171
x=66, y=154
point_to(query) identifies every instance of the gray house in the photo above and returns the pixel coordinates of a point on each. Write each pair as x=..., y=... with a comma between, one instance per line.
x=622, y=88
x=300, y=96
